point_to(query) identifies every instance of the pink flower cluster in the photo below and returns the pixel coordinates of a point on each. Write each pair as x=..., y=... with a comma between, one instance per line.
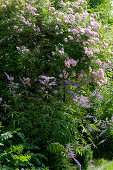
x=62, y=51
x=64, y=74
x=71, y=62
x=94, y=24
x=3, y=6
x=70, y=11
x=98, y=62
x=88, y=52
x=23, y=49
x=100, y=75
x=80, y=76
x=105, y=44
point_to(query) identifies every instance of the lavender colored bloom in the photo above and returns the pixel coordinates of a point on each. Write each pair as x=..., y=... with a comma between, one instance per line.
x=71, y=155
x=0, y=99
x=83, y=101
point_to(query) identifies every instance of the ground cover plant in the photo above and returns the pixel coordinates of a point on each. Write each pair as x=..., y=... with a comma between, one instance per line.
x=56, y=85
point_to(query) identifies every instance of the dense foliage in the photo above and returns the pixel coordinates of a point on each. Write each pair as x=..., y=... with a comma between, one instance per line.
x=56, y=93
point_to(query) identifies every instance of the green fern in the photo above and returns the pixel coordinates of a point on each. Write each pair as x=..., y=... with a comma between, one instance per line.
x=55, y=147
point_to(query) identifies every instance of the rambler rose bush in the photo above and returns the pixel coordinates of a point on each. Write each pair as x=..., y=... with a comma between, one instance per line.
x=52, y=60
x=81, y=44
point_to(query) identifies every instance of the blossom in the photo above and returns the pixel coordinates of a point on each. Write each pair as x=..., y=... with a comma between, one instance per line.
x=88, y=52
x=98, y=62
x=3, y=6
x=94, y=74
x=105, y=44
x=70, y=11
x=70, y=37
x=78, y=16
x=38, y=29
x=18, y=48
x=27, y=81
x=79, y=77
x=85, y=15
x=27, y=50
x=15, y=27
x=99, y=84
x=100, y=74
x=66, y=40
x=61, y=75
x=73, y=73
x=94, y=24
x=6, y=2
x=90, y=69
x=96, y=40
x=65, y=76
x=20, y=30
x=64, y=71
x=0, y=99
x=75, y=31
x=71, y=62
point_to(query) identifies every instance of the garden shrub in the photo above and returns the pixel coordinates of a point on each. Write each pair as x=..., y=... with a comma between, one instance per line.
x=56, y=60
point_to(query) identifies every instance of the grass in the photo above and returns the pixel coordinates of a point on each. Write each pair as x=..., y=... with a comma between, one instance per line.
x=102, y=164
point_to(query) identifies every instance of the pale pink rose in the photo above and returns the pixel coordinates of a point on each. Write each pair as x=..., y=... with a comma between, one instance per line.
x=27, y=50
x=11, y=78
x=15, y=27
x=101, y=74
x=68, y=3
x=94, y=74
x=82, y=30
x=96, y=40
x=18, y=48
x=64, y=71
x=90, y=69
x=3, y=6
x=65, y=76
x=75, y=31
x=6, y=2
x=85, y=15
x=61, y=52
x=70, y=11
x=27, y=81
x=80, y=77
x=78, y=16
x=70, y=37
x=98, y=62
x=38, y=29
x=89, y=53
x=20, y=30
x=67, y=64
x=29, y=24
x=73, y=62
x=78, y=40
x=95, y=25
x=66, y=40
x=106, y=28
x=69, y=30
x=105, y=44
x=61, y=75
x=73, y=73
